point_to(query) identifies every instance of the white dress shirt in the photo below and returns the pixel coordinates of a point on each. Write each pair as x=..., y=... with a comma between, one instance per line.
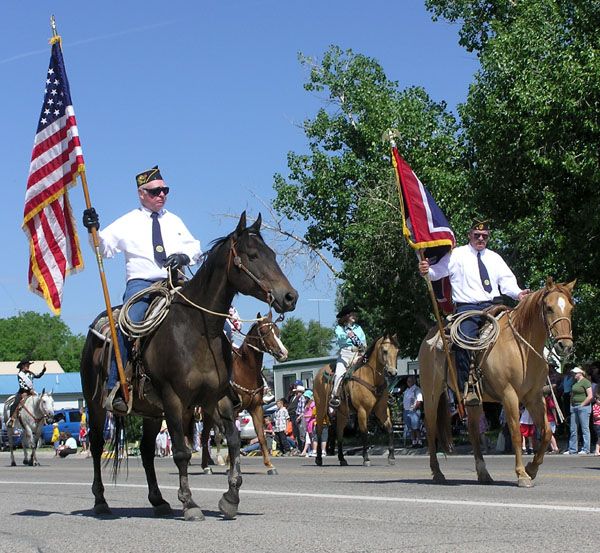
x=132, y=235
x=461, y=266
x=411, y=396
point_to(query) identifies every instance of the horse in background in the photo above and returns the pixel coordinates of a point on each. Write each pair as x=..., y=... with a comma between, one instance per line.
x=187, y=361
x=35, y=411
x=247, y=382
x=364, y=390
x=514, y=371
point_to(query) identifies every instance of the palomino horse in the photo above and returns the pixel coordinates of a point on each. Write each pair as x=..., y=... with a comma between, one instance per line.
x=365, y=391
x=247, y=381
x=513, y=372
x=188, y=363
x=35, y=412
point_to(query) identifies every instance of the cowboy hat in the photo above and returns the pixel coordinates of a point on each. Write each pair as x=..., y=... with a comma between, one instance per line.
x=25, y=361
x=346, y=310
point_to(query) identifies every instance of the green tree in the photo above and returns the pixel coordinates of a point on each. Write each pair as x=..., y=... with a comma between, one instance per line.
x=38, y=336
x=304, y=341
x=345, y=190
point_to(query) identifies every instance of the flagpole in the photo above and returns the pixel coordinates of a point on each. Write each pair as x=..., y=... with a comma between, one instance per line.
x=96, y=242
x=451, y=368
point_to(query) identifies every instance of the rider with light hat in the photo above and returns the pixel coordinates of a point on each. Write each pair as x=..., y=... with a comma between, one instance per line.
x=25, y=377
x=478, y=276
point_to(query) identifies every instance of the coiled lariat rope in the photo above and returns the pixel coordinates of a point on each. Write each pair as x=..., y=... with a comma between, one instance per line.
x=485, y=340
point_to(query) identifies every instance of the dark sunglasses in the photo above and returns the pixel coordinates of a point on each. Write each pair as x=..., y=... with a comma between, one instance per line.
x=481, y=236
x=155, y=192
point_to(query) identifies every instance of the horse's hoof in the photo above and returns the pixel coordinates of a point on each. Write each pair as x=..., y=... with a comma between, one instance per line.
x=439, y=478
x=485, y=479
x=343, y=463
x=391, y=462
x=319, y=461
x=366, y=463
x=272, y=472
x=228, y=509
x=102, y=509
x=531, y=470
x=26, y=461
x=207, y=470
x=193, y=514
x=13, y=464
x=220, y=460
x=525, y=482
x=163, y=510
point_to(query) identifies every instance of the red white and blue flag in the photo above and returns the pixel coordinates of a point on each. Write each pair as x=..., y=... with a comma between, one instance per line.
x=56, y=161
x=424, y=224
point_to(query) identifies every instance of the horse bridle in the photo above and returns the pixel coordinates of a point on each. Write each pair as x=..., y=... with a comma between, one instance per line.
x=550, y=326
x=44, y=416
x=261, y=337
x=237, y=262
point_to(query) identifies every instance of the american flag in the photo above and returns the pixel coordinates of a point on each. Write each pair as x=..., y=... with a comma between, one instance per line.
x=56, y=161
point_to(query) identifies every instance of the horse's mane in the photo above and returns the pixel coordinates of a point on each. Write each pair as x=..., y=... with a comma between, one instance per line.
x=529, y=310
x=372, y=347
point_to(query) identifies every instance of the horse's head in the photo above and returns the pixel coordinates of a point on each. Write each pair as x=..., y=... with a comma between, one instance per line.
x=387, y=354
x=557, y=306
x=253, y=269
x=46, y=406
x=266, y=333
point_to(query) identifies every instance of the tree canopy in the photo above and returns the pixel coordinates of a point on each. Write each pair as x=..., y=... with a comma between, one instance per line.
x=302, y=340
x=37, y=336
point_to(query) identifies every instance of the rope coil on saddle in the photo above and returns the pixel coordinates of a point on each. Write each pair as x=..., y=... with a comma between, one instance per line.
x=157, y=311
x=487, y=337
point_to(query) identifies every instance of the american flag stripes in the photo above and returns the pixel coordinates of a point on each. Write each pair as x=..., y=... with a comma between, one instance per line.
x=56, y=161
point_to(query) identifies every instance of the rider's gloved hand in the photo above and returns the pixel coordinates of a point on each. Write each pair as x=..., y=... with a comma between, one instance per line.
x=91, y=219
x=176, y=260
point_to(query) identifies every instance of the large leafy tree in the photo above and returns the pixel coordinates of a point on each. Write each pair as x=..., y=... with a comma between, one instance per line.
x=302, y=340
x=533, y=132
x=37, y=336
x=345, y=191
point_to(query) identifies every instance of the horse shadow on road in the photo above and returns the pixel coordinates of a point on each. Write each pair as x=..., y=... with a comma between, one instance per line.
x=127, y=512
x=430, y=482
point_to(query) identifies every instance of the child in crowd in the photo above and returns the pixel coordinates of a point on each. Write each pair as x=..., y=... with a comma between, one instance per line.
x=551, y=414
x=280, y=419
x=527, y=432
x=596, y=420
x=55, y=439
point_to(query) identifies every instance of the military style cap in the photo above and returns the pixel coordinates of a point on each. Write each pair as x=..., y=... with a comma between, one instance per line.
x=147, y=176
x=480, y=225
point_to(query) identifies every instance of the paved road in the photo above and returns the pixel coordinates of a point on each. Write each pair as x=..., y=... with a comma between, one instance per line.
x=305, y=508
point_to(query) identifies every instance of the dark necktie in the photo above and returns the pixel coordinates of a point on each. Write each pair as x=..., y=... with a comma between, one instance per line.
x=483, y=274
x=157, y=242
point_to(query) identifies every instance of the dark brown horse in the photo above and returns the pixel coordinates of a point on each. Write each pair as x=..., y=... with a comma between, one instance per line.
x=247, y=381
x=188, y=363
x=364, y=391
x=513, y=372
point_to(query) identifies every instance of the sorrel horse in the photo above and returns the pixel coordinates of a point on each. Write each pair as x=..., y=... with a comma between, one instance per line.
x=34, y=413
x=513, y=372
x=247, y=381
x=365, y=391
x=188, y=363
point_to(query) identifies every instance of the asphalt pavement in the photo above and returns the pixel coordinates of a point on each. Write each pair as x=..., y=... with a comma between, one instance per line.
x=48, y=509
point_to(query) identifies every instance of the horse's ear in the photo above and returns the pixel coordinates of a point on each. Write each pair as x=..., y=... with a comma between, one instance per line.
x=241, y=226
x=570, y=285
x=256, y=225
x=549, y=282
x=258, y=315
x=43, y=391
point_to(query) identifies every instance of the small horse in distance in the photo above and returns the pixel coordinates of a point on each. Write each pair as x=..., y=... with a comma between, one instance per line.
x=513, y=372
x=365, y=391
x=188, y=360
x=247, y=382
x=35, y=411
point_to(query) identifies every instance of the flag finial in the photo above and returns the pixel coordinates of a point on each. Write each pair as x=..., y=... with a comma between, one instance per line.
x=55, y=35
x=389, y=135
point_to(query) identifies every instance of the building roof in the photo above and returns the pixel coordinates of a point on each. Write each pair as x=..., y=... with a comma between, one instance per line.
x=52, y=367
x=312, y=361
x=58, y=383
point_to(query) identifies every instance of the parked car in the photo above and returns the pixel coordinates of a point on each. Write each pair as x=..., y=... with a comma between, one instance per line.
x=247, y=431
x=68, y=421
x=4, y=438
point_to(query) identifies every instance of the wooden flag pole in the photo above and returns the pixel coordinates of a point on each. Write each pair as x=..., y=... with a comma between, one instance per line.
x=389, y=135
x=96, y=243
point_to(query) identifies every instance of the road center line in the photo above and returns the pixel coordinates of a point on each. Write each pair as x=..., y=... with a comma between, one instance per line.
x=295, y=495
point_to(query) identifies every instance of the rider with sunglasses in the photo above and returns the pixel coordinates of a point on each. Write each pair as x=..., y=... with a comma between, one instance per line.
x=478, y=276
x=152, y=239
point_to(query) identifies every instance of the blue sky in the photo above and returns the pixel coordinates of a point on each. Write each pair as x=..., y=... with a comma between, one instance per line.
x=212, y=92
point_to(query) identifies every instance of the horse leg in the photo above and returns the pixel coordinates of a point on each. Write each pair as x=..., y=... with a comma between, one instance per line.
x=228, y=504
x=27, y=443
x=207, y=424
x=382, y=413
x=537, y=409
x=511, y=411
x=97, y=417
x=11, y=438
x=182, y=454
x=257, y=419
x=340, y=425
x=474, y=415
x=364, y=435
x=150, y=428
x=319, y=457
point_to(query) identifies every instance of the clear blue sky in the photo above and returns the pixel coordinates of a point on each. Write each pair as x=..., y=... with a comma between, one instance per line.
x=211, y=91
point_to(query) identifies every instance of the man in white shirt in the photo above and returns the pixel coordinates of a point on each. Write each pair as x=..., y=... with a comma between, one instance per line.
x=152, y=239
x=413, y=403
x=478, y=276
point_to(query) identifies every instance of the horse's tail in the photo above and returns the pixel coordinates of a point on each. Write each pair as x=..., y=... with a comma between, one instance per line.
x=444, y=430
x=118, y=446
